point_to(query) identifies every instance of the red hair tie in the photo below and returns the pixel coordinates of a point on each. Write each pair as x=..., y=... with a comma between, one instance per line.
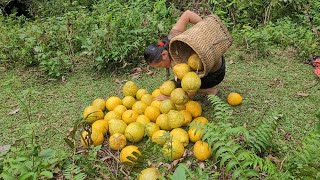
x=160, y=43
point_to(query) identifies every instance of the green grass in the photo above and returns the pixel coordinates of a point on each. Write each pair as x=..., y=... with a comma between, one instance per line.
x=268, y=86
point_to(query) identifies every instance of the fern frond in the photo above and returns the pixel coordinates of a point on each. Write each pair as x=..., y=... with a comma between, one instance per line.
x=222, y=111
x=72, y=171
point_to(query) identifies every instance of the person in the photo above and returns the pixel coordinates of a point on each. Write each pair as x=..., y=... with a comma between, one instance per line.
x=157, y=55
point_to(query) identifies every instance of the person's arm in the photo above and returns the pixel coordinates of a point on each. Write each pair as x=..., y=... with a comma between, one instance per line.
x=186, y=18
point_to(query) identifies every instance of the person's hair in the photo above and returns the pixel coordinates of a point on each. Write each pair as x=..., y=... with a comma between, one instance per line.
x=152, y=54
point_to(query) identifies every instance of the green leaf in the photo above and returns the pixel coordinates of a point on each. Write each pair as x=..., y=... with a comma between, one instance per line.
x=26, y=176
x=230, y=165
x=251, y=173
x=220, y=151
x=225, y=157
x=47, y=174
x=7, y=176
x=236, y=173
x=179, y=174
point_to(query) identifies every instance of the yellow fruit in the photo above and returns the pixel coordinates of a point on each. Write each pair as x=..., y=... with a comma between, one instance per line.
x=179, y=134
x=156, y=103
x=97, y=137
x=92, y=113
x=180, y=107
x=191, y=82
x=143, y=119
x=101, y=125
x=152, y=113
x=134, y=132
x=175, y=118
x=194, y=108
x=139, y=107
x=201, y=120
x=99, y=103
x=129, y=151
x=128, y=101
x=147, y=99
x=156, y=93
x=194, y=135
x=173, y=150
x=85, y=139
x=163, y=122
x=166, y=106
x=201, y=150
x=140, y=93
x=151, y=128
x=129, y=116
x=117, y=141
x=187, y=117
x=113, y=102
x=111, y=115
x=234, y=99
x=195, y=63
x=179, y=96
x=149, y=174
x=120, y=109
x=130, y=89
x=117, y=126
x=181, y=69
x=160, y=137
x=167, y=87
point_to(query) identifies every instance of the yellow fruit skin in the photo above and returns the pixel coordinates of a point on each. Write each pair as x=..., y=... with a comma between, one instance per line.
x=128, y=151
x=120, y=109
x=85, y=139
x=234, y=99
x=152, y=113
x=112, y=115
x=101, y=125
x=166, y=106
x=92, y=113
x=130, y=89
x=191, y=82
x=179, y=96
x=159, y=137
x=99, y=103
x=201, y=150
x=113, y=102
x=163, y=122
x=117, y=141
x=187, y=117
x=173, y=150
x=195, y=63
x=139, y=107
x=143, y=119
x=129, y=116
x=151, y=128
x=181, y=69
x=128, y=101
x=194, y=135
x=180, y=107
x=156, y=103
x=156, y=93
x=147, y=99
x=97, y=137
x=194, y=108
x=179, y=134
x=140, y=93
x=149, y=174
x=167, y=87
x=176, y=119
x=117, y=126
x=134, y=132
x=201, y=120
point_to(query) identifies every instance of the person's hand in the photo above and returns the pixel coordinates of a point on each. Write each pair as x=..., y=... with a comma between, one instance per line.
x=161, y=97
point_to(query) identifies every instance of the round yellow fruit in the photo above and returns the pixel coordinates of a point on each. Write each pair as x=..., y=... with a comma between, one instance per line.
x=167, y=87
x=99, y=103
x=179, y=134
x=195, y=63
x=97, y=137
x=117, y=126
x=101, y=125
x=163, y=122
x=201, y=120
x=128, y=101
x=201, y=150
x=152, y=113
x=173, y=150
x=151, y=128
x=117, y=141
x=92, y=113
x=175, y=118
x=134, y=132
x=179, y=96
x=140, y=93
x=143, y=119
x=180, y=70
x=156, y=93
x=113, y=102
x=139, y=107
x=194, y=108
x=120, y=109
x=160, y=137
x=147, y=99
x=166, y=106
x=194, y=134
x=129, y=116
x=149, y=174
x=187, y=117
x=129, y=151
x=130, y=89
x=180, y=107
x=234, y=99
x=85, y=141
x=156, y=103
x=191, y=82
x=111, y=115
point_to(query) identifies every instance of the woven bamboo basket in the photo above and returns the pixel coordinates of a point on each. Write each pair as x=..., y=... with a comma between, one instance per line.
x=209, y=38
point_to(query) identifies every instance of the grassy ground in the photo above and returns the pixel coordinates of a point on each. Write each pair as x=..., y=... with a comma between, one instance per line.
x=269, y=86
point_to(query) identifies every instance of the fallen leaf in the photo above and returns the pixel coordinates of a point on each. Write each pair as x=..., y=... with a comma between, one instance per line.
x=14, y=111
x=4, y=148
x=201, y=165
x=301, y=94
